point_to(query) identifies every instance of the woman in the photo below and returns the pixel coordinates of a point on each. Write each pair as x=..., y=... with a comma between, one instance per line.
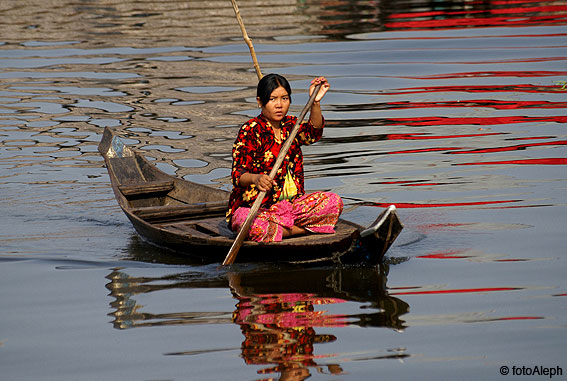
x=286, y=210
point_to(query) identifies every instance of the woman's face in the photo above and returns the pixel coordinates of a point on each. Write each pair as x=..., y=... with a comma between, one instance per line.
x=277, y=107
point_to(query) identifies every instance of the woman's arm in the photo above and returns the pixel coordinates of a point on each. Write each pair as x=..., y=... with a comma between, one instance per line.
x=261, y=180
x=315, y=116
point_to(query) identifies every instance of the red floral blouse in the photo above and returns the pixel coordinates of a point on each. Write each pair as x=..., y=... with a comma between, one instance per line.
x=255, y=151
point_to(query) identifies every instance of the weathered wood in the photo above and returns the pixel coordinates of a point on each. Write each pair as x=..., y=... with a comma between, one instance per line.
x=178, y=211
x=146, y=188
x=185, y=228
x=127, y=170
x=215, y=226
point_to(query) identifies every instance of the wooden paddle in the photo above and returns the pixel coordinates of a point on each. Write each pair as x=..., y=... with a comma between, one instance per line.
x=243, y=233
x=247, y=39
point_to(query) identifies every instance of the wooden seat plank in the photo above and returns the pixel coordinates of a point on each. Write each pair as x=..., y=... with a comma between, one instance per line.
x=187, y=229
x=146, y=187
x=216, y=226
x=172, y=211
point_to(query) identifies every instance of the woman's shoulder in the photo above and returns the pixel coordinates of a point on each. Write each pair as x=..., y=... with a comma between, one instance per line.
x=255, y=122
x=290, y=119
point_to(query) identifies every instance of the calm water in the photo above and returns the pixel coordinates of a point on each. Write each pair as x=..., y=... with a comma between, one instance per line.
x=454, y=111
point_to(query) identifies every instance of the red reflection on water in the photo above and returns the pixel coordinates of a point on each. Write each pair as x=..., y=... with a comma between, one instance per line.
x=459, y=254
x=518, y=318
x=479, y=22
x=458, y=291
x=510, y=148
x=415, y=205
x=454, y=254
x=477, y=36
x=279, y=331
x=549, y=161
x=422, y=150
x=447, y=13
x=423, y=136
x=290, y=310
x=476, y=74
x=490, y=13
x=444, y=121
x=488, y=103
x=345, y=17
x=421, y=184
x=525, y=88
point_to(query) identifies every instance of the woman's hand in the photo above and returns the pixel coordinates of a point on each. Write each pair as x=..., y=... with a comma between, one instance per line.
x=263, y=182
x=325, y=86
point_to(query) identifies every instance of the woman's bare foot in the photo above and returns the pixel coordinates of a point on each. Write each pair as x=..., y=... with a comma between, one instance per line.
x=295, y=230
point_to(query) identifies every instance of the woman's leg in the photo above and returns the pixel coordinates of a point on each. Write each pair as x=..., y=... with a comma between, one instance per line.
x=270, y=225
x=318, y=212
x=294, y=230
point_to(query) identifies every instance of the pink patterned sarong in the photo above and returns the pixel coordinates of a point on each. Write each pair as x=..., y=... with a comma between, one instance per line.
x=316, y=212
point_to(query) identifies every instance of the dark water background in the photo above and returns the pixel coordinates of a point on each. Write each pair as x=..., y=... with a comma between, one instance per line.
x=453, y=110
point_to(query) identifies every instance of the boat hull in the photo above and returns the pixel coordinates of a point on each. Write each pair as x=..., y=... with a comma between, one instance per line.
x=188, y=218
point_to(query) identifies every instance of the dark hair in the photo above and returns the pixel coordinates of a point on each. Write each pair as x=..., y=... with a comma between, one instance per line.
x=268, y=84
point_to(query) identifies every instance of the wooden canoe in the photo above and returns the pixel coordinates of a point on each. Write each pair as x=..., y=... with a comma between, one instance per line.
x=189, y=218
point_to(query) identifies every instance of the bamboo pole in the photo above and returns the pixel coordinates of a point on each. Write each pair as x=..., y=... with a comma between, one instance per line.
x=247, y=39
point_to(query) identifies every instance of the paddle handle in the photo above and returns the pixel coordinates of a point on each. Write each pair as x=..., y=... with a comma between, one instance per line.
x=243, y=233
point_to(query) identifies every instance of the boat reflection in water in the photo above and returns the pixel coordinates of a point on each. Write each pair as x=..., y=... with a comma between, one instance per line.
x=278, y=314
x=281, y=312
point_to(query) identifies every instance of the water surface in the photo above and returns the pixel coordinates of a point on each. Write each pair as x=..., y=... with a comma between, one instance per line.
x=453, y=111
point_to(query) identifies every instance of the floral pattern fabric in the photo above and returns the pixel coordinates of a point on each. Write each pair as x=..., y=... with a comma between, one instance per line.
x=316, y=212
x=255, y=151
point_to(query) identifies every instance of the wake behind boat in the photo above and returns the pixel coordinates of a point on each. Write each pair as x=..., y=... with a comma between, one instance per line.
x=189, y=218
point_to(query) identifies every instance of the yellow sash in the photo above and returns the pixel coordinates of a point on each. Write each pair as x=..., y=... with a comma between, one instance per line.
x=289, y=190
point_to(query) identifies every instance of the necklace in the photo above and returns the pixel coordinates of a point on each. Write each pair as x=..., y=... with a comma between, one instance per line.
x=277, y=133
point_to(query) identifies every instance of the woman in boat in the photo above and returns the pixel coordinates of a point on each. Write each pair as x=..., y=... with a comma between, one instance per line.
x=286, y=210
